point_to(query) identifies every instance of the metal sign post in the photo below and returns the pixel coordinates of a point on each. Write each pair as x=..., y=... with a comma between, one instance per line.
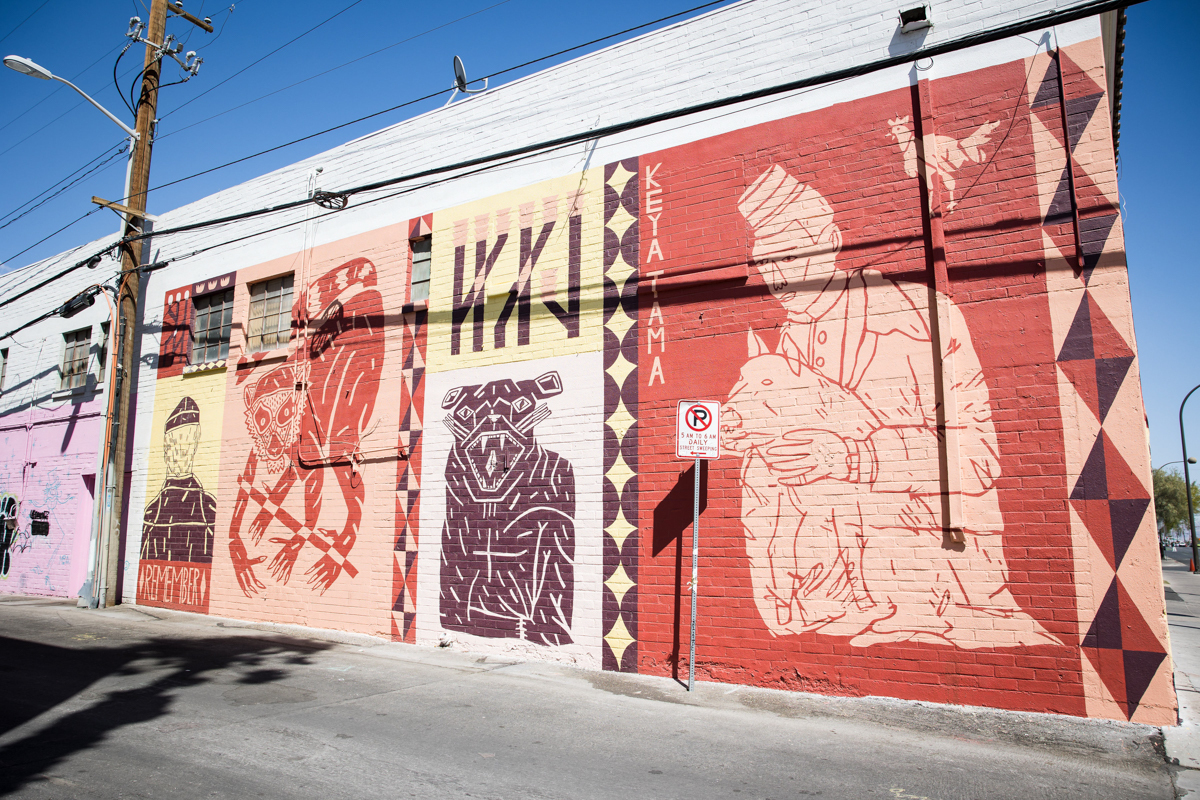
x=695, y=571
x=697, y=425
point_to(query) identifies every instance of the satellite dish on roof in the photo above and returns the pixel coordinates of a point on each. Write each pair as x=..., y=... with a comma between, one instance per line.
x=460, y=75
x=460, y=82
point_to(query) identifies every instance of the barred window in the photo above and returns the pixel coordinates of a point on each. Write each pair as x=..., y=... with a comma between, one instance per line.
x=75, y=358
x=210, y=330
x=270, y=323
x=102, y=353
x=422, y=257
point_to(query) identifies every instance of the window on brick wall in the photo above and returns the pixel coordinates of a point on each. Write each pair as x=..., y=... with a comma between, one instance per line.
x=270, y=323
x=3, y=367
x=211, y=326
x=102, y=353
x=422, y=259
x=75, y=358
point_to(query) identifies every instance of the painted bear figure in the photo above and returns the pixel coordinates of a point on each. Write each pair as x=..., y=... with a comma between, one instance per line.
x=508, y=543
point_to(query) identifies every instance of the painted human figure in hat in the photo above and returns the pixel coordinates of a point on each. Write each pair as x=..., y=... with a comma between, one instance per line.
x=838, y=431
x=179, y=523
x=307, y=418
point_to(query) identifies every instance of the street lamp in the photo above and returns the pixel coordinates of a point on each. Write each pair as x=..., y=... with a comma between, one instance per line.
x=1187, y=485
x=26, y=67
x=1191, y=461
x=31, y=68
x=97, y=580
x=1169, y=464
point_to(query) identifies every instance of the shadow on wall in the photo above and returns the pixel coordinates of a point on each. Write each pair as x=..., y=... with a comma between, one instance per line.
x=672, y=516
x=44, y=399
x=58, y=674
x=903, y=43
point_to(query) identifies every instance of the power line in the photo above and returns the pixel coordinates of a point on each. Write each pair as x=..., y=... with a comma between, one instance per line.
x=55, y=90
x=1086, y=9
x=1048, y=19
x=210, y=43
x=22, y=22
x=331, y=69
x=425, y=97
x=264, y=58
x=121, y=149
x=53, y=186
x=51, y=236
x=606, y=38
x=96, y=169
x=117, y=83
x=293, y=223
x=51, y=122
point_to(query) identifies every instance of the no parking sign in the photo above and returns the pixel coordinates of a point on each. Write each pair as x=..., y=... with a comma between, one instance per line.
x=698, y=427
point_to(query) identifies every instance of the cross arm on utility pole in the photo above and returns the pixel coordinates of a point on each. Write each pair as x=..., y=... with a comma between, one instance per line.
x=130, y=214
x=204, y=24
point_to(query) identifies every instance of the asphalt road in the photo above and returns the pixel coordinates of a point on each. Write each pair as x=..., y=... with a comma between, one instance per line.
x=124, y=703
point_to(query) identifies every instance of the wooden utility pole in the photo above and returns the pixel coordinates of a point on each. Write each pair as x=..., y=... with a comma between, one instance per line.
x=129, y=289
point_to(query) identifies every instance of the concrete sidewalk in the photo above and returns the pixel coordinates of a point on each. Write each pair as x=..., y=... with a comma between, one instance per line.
x=1182, y=742
x=134, y=702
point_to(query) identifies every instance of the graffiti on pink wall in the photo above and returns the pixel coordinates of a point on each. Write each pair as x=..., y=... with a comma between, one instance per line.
x=47, y=480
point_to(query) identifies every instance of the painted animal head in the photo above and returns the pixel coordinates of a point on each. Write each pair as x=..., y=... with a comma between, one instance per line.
x=272, y=416
x=901, y=130
x=762, y=399
x=356, y=274
x=324, y=300
x=493, y=425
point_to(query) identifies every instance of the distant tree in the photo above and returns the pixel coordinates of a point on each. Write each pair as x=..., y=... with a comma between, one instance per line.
x=1170, y=503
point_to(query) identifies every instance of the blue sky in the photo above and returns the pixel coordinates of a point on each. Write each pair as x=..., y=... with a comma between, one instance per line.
x=1158, y=172
x=47, y=132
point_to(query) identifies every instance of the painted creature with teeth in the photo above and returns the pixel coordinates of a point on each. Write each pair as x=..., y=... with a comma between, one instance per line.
x=508, y=543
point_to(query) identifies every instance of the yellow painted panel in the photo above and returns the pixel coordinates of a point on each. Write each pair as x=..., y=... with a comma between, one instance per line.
x=518, y=276
x=207, y=391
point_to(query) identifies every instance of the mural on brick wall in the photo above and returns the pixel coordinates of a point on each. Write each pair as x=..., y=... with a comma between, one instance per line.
x=179, y=522
x=892, y=495
x=508, y=544
x=876, y=291
x=13, y=539
x=178, y=526
x=837, y=429
x=946, y=154
x=512, y=503
x=512, y=449
x=1127, y=670
x=309, y=438
x=291, y=434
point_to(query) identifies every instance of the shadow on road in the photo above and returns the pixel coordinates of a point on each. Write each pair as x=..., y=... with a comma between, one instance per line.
x=38, y=678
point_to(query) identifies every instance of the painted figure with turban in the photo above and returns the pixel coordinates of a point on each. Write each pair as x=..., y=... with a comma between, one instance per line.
x=180, y=522
x=838, y=431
